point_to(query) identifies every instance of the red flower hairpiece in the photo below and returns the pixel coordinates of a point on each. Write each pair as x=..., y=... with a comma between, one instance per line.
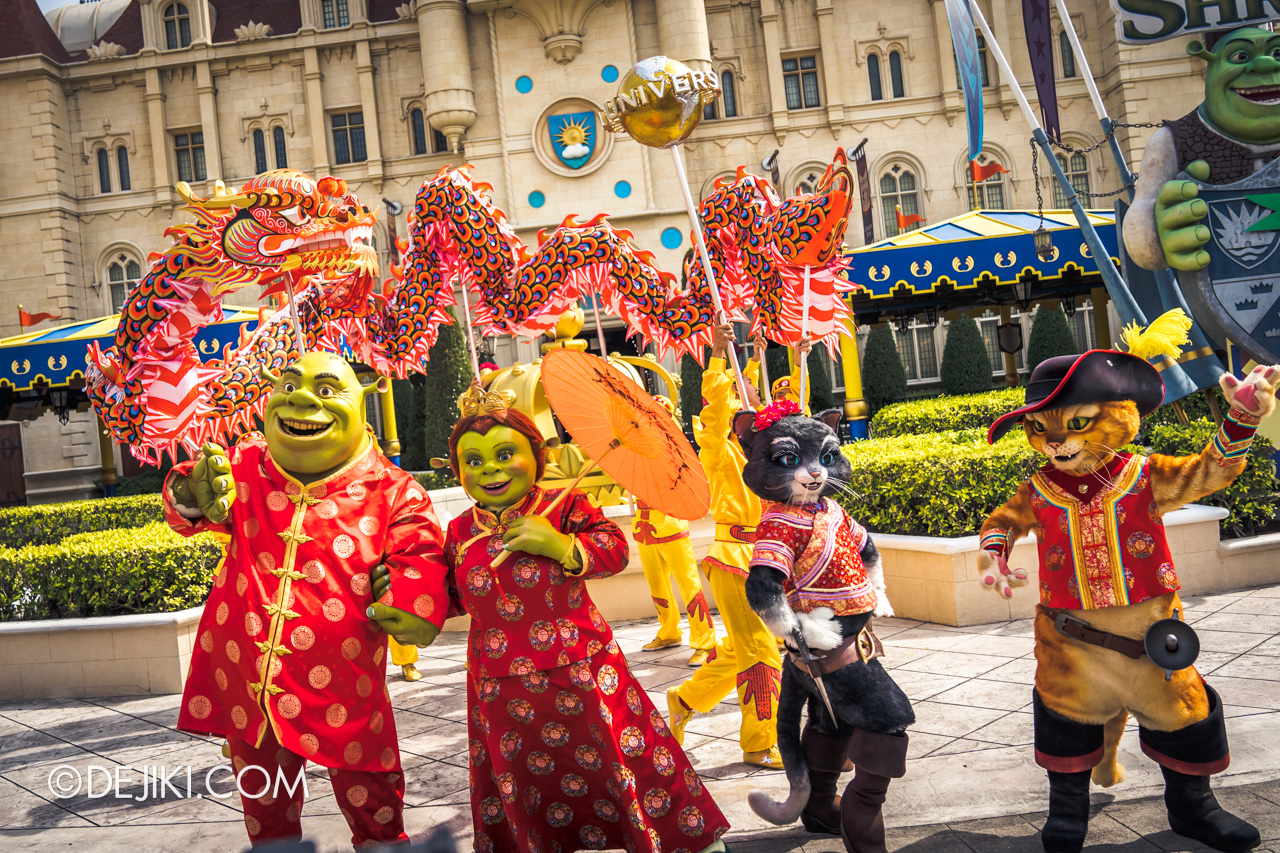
x=774, y=412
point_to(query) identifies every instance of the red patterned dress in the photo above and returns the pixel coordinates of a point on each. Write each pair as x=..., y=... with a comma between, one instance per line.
x=567, y=751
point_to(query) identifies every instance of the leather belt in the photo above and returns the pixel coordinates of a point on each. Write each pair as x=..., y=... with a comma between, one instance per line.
x=1078, y=629
x=863, y=647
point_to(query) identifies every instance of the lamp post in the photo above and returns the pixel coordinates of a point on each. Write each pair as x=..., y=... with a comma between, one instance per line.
x=1069, y=304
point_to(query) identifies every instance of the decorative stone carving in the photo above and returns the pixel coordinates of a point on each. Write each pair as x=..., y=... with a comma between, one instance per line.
x=405, y=12
x=105, y=50
x=561, y=23
x=252, y=31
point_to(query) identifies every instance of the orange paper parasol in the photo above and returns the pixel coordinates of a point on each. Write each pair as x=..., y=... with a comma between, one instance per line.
x=628, y=433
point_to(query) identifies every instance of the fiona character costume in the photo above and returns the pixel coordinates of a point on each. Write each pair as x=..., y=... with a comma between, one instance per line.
x=288, y=665
x=567, y=751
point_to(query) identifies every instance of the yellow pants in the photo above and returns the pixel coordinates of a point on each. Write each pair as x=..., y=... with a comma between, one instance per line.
x=401, y=655
x=746, y=658
x=660, y=562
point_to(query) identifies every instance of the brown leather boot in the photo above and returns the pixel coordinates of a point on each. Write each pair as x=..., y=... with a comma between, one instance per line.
x=879, y=758
x=825, y=756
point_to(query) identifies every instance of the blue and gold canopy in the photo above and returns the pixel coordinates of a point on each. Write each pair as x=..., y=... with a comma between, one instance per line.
x=979, y=248
x=58, y=356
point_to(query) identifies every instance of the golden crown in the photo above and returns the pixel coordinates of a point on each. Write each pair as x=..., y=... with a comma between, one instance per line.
x=476, y=402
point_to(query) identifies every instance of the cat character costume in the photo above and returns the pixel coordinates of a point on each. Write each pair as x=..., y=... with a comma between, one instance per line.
x=1106, y=575
x=816, y=573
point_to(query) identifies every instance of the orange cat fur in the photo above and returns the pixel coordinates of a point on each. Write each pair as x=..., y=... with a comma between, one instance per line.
x=1176, y=481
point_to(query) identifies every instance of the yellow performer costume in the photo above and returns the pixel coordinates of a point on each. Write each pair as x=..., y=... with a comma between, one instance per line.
x=747, y=657
x=405, y=657
x=665, y=550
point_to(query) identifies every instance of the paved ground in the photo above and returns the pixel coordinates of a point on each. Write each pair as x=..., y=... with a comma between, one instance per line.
x=971, y=784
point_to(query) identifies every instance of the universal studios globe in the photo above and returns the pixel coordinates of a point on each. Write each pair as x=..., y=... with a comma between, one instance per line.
x=660, y=101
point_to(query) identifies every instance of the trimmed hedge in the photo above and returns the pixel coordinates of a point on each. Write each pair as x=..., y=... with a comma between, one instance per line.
x=442, y=479
x=939, y=414
x=148, y=569
x=48, y=524
x=947, y=483
x=937, y=484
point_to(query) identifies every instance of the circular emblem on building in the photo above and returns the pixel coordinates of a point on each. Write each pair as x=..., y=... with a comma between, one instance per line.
x=569, y=140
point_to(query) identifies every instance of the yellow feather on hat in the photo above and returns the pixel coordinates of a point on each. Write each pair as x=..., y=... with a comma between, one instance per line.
x=1165, y=336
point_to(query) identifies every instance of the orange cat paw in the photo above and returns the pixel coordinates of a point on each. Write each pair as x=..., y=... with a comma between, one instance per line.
x=1105, y=776
x=996, y=575
x=1257, y=393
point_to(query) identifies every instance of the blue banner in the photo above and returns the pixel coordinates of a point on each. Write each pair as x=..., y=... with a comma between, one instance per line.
x=969, y=63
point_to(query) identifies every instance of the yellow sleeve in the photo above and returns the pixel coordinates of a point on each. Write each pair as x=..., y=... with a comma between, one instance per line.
x=716, y=414
x=795, y=384
x=752, y=372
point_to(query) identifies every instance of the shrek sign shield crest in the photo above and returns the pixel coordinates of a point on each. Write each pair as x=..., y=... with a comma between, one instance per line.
x=1237, y=297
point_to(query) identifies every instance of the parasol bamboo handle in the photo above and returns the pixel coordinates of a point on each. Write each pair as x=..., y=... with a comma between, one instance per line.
x=804, y=331
x=501, y=558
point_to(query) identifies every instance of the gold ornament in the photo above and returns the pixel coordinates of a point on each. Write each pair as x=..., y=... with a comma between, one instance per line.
x=660, y=101
x=475, y=402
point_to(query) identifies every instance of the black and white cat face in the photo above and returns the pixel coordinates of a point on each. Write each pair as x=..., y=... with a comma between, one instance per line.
x=796, y=460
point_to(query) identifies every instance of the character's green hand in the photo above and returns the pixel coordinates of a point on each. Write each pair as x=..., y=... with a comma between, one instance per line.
x=209, y=487
x=533, y=534
x=405, y=627
x=1179, y=215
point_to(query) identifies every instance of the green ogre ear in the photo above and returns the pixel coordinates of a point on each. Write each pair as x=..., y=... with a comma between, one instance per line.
x=380, y=386
x=1196, y=48
x=439, y=462
x=268, y=375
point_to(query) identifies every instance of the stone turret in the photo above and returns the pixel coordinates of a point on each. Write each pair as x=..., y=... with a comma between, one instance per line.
x=682, y=32
x=446, y=67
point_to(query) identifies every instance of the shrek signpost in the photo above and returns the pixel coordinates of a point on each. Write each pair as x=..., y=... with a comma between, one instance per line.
x=1147, y=21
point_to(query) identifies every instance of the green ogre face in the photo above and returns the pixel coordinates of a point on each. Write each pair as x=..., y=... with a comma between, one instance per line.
x=497, y=468
x=1242, y=85
x=314, y=420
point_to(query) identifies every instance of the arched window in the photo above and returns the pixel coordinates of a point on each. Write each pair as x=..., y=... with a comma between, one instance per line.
x=1068, y=58
x=439, y=143
x=873, y=77
x=895, y=74
x=728, y=95
x=177, y=26
x=709, y=112
x=898, y=189
x=282, y=160
x=987, y=194
x=122, y=164
x=104, y=171
x=259, y=151
x=419, y=128
x=808, y=181
x=1077, y=170
x=122, y=274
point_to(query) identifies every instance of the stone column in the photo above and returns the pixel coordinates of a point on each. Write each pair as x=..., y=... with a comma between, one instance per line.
x=952, y=98
x=314, y=97
x=1010, y=359
x=159, y=137
x=773, y=62
x=209, y=121
x=682, y=32
x=368, y=99
x=446, y=67
x=831, y=76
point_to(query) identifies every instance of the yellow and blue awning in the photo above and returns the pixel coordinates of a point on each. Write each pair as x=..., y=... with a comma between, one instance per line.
x=58, y=356
x=978, y=248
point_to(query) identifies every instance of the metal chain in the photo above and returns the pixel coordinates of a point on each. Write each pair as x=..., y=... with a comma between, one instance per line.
x=1035, y=179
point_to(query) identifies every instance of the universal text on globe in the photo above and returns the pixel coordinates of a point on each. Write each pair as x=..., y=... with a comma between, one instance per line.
x=660, y=101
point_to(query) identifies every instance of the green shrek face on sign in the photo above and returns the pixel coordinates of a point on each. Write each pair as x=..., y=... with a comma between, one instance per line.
x=497, y=469
x=1242, y=84
x=314, y=421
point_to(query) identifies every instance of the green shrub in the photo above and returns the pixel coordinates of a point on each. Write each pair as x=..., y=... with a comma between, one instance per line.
x=148, y=569
x=47, y=524
x=969, y=411
x=448, y=374
x=966, y=367
x=883, y=379
x=149, y=483
x=431, y=480
x=821, y=397
x=1195, y=406
x=690, y=391
x=1050, y=336
x=1251, y=498
x=937, y=484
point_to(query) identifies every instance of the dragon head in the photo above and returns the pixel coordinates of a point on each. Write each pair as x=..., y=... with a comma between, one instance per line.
x=280, y=229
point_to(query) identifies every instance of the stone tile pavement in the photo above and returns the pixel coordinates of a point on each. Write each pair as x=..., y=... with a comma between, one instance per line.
x=971, y=782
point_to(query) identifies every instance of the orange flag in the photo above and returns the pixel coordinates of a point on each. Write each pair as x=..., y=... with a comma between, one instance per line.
x=908, y=219
x=31, y=319
x=981, y=173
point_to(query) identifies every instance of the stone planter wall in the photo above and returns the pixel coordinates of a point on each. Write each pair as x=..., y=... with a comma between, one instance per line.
x=102, y=656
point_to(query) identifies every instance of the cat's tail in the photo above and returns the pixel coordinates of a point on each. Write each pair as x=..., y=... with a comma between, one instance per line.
x=791, y=699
